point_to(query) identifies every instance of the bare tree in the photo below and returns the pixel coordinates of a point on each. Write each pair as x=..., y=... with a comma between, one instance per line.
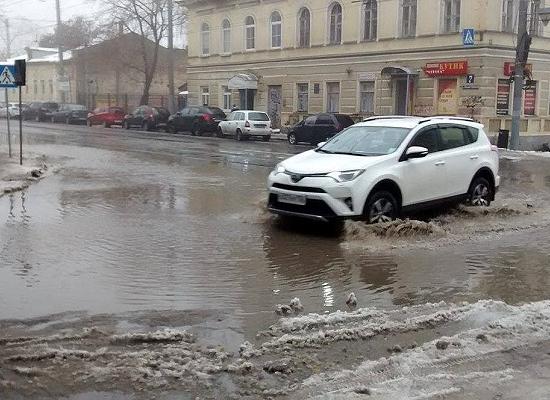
x=149, y=20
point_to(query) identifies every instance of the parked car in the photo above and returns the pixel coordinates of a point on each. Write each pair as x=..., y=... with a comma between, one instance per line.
x=197, y=120
x=243, y=124
x=147, y=118
x=40, y=111
x=12, y=109
x=70, y=114
x=377, y=169
x=318, y=128
x=106, y=116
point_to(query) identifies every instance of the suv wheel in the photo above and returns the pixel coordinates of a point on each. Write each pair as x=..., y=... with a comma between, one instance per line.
x=106, y=125
x=239, y=135
x=37, y=118
x=292, y=138
x=89, y=123
x=219, y=132
x=195, y=129
x=480, y=193
x=381, y=207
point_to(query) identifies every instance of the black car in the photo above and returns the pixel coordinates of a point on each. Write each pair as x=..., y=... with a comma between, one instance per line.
x=40, y=111
x=147, y=118
x=318, y=128
x=196, y=120
x=70, y=114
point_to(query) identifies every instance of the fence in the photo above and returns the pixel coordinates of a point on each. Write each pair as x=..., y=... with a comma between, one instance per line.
x=130, y=101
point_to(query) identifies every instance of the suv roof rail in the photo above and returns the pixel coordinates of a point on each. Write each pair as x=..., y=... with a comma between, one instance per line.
x=374, y=118
x=446, y=117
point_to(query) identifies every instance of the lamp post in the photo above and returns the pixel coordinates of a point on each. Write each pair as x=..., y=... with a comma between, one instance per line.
x=522, y=54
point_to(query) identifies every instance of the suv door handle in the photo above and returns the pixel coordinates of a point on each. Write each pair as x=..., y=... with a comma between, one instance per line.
x=474, y=157
x=439, y=163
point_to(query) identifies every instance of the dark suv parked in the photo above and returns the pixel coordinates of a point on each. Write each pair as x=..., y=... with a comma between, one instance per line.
x=318, y=128
x=147, y=117
x=196, y=120
x=70, y=114
x=40, y=111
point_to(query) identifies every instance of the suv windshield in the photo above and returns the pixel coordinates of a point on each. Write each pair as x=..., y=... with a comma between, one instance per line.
x=366, y=141
x=258, y=116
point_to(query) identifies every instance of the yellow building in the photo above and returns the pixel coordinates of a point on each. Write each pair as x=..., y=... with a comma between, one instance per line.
x=297, y=57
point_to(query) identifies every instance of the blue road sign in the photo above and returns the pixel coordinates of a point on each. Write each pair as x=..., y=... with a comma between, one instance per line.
x=7, y=76
x=468, y=37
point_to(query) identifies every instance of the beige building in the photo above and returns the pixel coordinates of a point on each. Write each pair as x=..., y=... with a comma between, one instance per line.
x=297, y=57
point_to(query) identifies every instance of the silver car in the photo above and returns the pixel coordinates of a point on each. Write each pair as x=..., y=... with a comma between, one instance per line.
x=243, y=124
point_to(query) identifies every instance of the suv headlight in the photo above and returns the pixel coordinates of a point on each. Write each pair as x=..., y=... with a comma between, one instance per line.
x=346, y=176
x=279, y=169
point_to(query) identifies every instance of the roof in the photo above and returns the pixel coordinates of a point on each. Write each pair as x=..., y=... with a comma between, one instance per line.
x=50, y=58
x=410, y=122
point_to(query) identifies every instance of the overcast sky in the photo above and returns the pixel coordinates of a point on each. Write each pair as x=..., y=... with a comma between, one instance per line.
x=40, y=18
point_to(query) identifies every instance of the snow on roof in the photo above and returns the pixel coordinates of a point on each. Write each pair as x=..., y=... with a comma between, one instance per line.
x=50, y=58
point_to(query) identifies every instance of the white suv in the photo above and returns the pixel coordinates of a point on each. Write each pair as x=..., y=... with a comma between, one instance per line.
x=379, y=168
x=243, y=124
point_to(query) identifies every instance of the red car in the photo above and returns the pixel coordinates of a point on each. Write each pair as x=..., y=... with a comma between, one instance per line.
x=106, y=116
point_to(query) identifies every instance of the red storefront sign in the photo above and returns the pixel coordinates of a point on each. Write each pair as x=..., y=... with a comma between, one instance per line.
x=446, y=68
x=510, y=67
x=530, y=101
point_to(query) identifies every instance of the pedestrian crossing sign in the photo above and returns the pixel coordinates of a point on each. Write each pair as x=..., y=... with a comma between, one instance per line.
x=468, y=37
x=7, y=76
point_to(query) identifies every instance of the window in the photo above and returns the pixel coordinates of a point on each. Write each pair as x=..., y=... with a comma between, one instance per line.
x=226, y=36
x=276, y=30
x=451, y=16
x=324, y=119
x=310, y=121
x=43, y=86
x=335, y=24
x=408, y=18
x=370, y=19
x=226, y=98
x=303, y=97
x=366, y=97
x=333, y=96
x=453, y=137
x=535, y=27
x=250, y=33
x=50, y=83
x=205, y=93
x=509, y=14
x=205, y=39
x=304, y=23
x=427, y=139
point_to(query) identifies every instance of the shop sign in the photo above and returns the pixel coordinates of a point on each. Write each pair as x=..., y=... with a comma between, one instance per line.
x=510, y=67
x=503, y=97
x=530, y=100
x=446, y=68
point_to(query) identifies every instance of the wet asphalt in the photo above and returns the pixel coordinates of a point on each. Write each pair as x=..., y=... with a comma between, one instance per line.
x=138, y=221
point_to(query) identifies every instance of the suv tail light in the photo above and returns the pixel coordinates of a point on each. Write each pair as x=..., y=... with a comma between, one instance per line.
x=247, y=124
x=206, y=117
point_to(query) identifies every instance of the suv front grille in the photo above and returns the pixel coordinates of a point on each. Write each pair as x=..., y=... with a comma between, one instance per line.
x=298, y=188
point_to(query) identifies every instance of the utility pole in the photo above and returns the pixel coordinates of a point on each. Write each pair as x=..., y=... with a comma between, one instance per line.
x=522, y=54
x=8, y=39
x=61, y=69
x=171, y=89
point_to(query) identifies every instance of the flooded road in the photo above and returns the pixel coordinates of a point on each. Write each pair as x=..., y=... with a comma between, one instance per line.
x=130, y=224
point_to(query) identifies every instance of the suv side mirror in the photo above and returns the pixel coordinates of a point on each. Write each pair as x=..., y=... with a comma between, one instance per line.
x=416, y=152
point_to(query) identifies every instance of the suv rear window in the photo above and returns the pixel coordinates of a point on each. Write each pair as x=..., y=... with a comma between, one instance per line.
x=218, y=112
x=258, y=116
x=344, y=120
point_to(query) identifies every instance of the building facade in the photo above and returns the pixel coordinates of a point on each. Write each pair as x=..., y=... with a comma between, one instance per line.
x=294, y=58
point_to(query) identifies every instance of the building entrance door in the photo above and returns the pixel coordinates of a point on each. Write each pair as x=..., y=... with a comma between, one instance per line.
x=247, y=99
x=274, y=105
x=400, y=107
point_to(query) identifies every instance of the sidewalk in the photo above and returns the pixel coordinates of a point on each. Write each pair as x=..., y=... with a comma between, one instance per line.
x=14, y=177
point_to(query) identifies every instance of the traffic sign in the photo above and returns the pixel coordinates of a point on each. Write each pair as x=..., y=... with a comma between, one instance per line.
x=7, y=76
x=468, y=37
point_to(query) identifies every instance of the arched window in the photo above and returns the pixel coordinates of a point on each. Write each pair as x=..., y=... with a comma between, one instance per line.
x=370, y=19
x=205, y=39
x=226, y=36
x=304, y=23
x=276, y=29
x=250, y=33
x=335, y=24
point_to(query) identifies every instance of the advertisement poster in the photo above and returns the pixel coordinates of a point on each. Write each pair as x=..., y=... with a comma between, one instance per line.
x=530, y=100
x=503, y=97
x=447, y=99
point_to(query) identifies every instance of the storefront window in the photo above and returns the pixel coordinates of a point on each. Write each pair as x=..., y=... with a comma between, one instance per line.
x=303, y=97
x=333, y=97
x=366, y=97
x=447, y=99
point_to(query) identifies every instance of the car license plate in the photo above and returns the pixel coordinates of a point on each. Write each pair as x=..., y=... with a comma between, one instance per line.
x=259, y=126
x=292, y=199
